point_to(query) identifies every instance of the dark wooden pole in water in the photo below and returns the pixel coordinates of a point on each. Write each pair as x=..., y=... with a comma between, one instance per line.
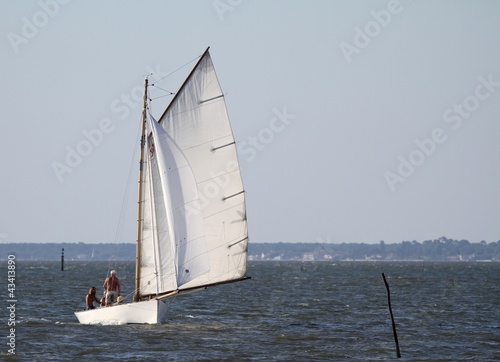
x=398, y=352
x=62, y=260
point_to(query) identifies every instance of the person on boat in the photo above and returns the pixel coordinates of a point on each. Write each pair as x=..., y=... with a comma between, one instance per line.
x=111, y=288
x=103, y=299
x=119, y=300
x=90, y=299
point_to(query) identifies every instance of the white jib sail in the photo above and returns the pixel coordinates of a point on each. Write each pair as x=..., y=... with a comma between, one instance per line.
x=157, y=268
x=187, y=234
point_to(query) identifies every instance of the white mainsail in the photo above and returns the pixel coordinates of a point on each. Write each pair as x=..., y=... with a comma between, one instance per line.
x=197, y=220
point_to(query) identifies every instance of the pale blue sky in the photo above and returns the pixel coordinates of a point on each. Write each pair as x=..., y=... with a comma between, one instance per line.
x=389, y=113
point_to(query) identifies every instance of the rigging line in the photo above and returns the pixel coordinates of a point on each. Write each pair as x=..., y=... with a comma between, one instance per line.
x=163, y=89
x=169, y=74
x=165, y=95
x=120, y=226
x=129, y=295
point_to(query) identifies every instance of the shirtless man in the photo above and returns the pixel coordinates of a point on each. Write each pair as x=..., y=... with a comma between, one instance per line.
x=90, y=299
x=111, y=288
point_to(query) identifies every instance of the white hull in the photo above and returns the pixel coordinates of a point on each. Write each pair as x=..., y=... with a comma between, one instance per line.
x=150, y=312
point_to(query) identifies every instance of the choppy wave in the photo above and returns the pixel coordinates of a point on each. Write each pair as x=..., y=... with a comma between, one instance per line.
x=287, y=312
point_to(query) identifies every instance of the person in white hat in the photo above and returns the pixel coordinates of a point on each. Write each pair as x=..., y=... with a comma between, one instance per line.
x=111, y=288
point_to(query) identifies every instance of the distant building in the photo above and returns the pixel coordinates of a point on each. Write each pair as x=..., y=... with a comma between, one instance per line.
x=308, y=257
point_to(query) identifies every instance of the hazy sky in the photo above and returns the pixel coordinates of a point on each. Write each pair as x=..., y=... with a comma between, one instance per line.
x=357, y=121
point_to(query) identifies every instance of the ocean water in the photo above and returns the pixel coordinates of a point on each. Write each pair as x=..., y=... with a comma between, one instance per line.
x=288, y=311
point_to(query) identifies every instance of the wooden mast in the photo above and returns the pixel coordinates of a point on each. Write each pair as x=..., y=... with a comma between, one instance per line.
x=139, y=202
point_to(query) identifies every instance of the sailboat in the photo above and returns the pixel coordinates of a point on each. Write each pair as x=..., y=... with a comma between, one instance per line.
x=191, y=216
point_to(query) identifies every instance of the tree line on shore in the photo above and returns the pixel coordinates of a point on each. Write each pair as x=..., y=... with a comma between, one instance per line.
x=441, y=249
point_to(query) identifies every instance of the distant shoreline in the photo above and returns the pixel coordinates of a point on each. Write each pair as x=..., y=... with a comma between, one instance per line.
x=441, y=249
